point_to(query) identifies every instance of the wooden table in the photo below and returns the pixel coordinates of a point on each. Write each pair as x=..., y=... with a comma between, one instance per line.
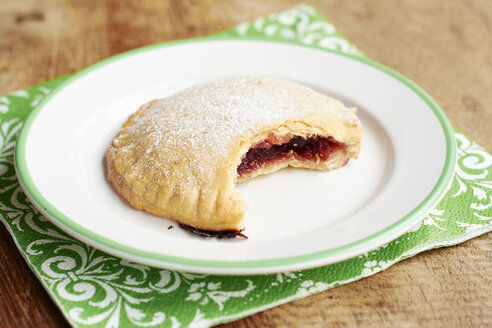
x=445, y=46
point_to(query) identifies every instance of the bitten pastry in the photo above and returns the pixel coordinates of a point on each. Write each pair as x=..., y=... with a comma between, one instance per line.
x=180, y=157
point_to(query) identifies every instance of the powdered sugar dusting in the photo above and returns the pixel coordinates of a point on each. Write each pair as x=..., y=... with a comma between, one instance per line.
x=198, y=126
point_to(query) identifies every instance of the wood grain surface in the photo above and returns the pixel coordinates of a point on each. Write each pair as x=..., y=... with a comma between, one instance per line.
x=444, y=46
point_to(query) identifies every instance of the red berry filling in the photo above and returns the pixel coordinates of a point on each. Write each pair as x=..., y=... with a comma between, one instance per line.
x=303, y=149
x=224, y=234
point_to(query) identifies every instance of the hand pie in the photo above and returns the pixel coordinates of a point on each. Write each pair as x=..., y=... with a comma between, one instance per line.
x=180, y=157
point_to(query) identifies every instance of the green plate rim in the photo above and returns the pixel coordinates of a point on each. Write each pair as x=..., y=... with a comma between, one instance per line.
x=376, y=239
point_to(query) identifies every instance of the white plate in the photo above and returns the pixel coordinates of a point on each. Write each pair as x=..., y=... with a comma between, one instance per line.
x=296, y=219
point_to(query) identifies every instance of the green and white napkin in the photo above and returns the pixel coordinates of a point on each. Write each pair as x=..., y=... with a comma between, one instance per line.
x=95, y=289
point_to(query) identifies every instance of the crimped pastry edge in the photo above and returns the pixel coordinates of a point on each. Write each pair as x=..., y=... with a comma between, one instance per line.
x=228, y=208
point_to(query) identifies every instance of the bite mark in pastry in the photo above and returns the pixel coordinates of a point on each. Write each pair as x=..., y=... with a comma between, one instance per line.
x=180, y=157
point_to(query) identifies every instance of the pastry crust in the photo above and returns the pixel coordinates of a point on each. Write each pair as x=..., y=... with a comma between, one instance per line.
x=177, y=157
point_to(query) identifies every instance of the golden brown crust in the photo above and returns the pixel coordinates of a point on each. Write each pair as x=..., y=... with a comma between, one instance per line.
x=178, y=157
